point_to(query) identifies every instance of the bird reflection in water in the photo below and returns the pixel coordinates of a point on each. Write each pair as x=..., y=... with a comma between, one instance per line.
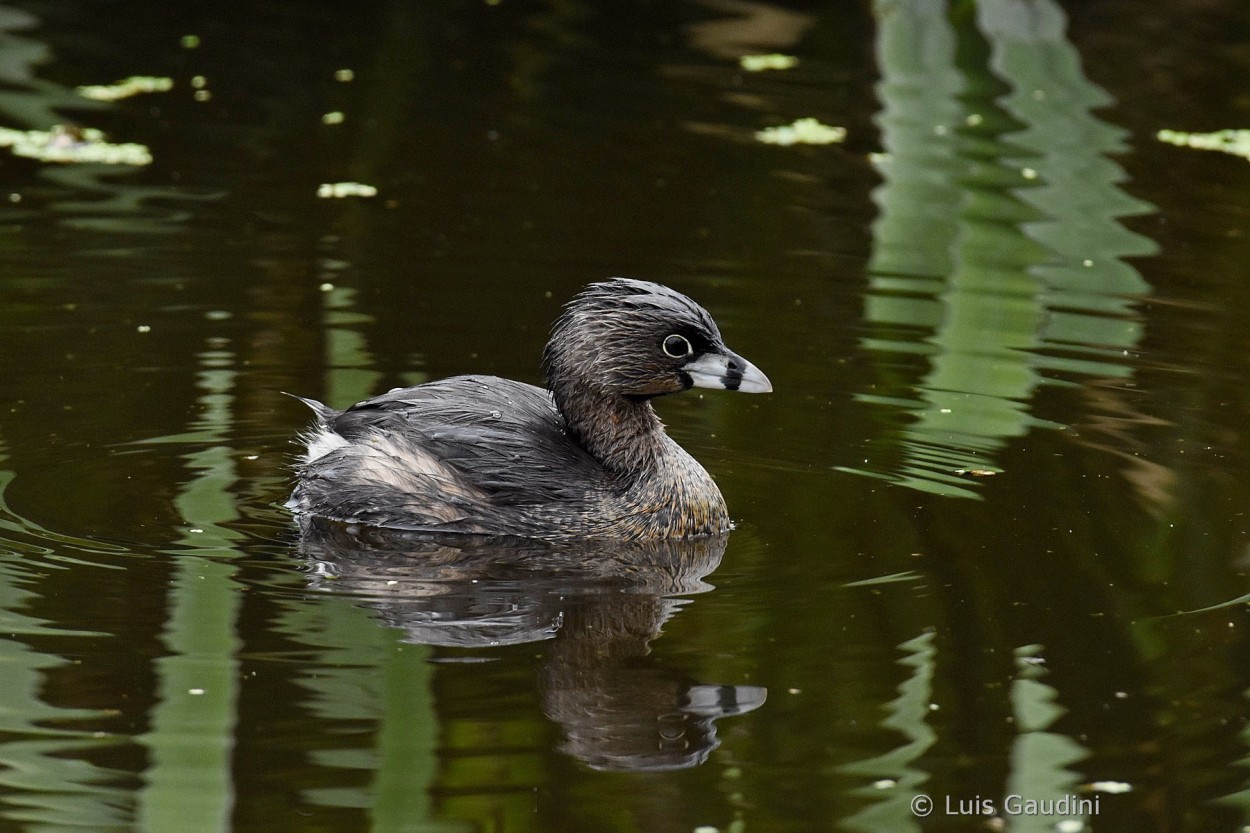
x=599, y=603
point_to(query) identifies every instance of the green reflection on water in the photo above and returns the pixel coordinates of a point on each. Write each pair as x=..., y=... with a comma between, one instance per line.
x=1241, y=798
x=364, y=673
x=350, y=376
x=47, y=784
x=897, y=776
x=1039, y=759
x=28, y=100
x=189, y=782
x=998, y=254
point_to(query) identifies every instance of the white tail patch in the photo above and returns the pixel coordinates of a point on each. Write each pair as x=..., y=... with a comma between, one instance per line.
x=321, y=441
x=378, y=459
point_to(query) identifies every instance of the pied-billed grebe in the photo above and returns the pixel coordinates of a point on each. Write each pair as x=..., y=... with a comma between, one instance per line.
x=587, y=458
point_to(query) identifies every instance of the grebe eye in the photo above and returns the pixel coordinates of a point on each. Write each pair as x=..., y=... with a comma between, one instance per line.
x=677, y=347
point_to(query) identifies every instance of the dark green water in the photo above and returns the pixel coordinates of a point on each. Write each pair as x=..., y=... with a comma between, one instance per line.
x=993, y=532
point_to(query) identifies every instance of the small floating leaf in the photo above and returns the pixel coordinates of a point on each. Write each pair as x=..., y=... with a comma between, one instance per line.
x=72, y=144
x=134, y=85
x=807, y=131
x=759, y=63
x=1236, y=142
x=338, y=190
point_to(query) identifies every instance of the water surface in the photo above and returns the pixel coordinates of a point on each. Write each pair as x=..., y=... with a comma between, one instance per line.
x=992, y=530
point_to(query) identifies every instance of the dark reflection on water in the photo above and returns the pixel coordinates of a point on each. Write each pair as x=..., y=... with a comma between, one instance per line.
x=1000, y=270
x=602, y=604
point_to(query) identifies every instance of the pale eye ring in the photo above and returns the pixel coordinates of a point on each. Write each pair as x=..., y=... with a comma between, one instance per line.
x=677, y=347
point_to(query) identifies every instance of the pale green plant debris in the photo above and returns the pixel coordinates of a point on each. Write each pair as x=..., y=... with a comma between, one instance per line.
x=335, y=117
x=338, y=190
x=759, y=63
x=1236, y=142
x=906, y=575
x=70, y=144
x=134, y=85
x=807, y=131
